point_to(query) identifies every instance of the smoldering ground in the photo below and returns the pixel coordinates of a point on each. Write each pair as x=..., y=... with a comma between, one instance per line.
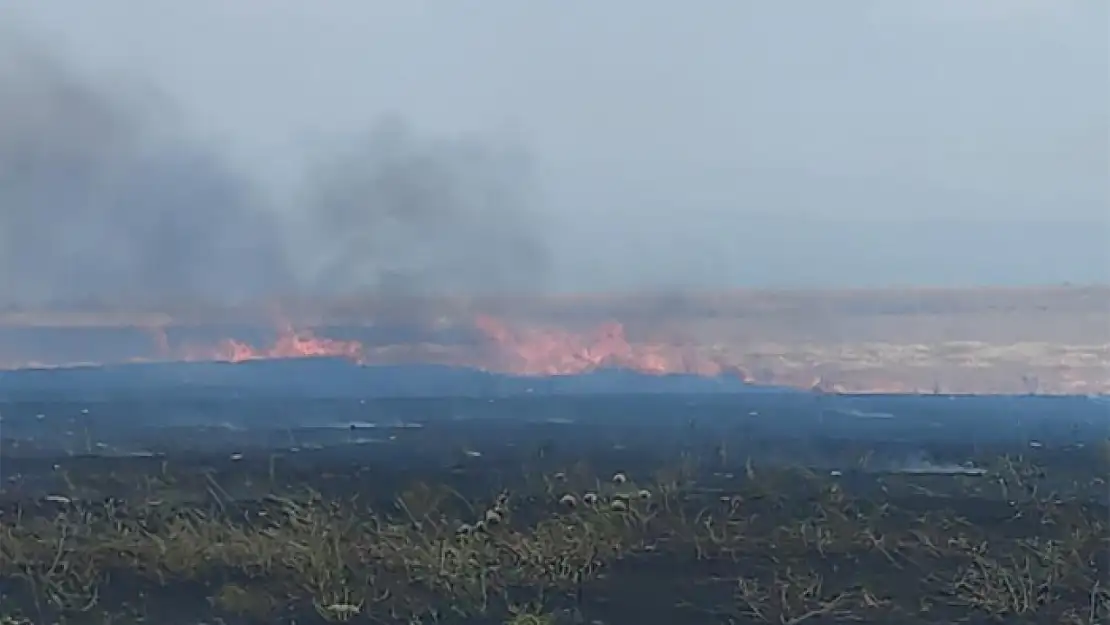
x=104, y=200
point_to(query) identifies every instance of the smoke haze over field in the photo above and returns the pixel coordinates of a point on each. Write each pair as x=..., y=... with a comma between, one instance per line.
x=99, y=205
x=408, y=147
x=401, y=215
x=103, y=202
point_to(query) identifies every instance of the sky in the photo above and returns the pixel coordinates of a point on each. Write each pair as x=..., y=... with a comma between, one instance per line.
x=642, y=145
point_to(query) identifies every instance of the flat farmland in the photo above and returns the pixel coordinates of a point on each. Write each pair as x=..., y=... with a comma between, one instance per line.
x=988, y=340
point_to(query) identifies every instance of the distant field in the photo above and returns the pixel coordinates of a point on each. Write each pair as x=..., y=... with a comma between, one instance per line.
x=1049, y=339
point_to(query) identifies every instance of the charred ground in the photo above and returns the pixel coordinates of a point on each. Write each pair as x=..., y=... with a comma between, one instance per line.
x=537, y=520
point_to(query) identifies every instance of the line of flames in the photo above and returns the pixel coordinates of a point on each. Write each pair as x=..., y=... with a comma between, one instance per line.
x=517, y=349
x=520, y=350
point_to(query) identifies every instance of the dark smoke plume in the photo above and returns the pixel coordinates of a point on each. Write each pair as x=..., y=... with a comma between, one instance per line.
x=100, y=204
x=399, y=214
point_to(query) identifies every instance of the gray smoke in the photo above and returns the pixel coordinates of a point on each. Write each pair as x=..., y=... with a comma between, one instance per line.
x=101, y=204
x=404, y=215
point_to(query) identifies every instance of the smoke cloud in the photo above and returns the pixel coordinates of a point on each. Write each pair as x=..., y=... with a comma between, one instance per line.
x=103, y=200
x=400, y=214
x=100, y=202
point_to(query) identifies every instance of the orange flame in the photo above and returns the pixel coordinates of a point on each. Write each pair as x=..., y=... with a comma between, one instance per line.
x=555, y=351
x=538, y=350
x=291, y=343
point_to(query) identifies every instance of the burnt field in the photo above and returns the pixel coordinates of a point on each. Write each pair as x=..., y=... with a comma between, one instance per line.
x=219, y=507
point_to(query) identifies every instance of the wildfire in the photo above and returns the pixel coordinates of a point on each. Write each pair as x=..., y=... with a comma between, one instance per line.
x=506, y=346
x=518, y=349
x=291, y=343
x=556, y=351
x=527, y=350
x=553, y=351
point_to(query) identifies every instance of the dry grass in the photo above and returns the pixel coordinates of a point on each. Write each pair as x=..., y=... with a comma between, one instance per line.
x=781, y=546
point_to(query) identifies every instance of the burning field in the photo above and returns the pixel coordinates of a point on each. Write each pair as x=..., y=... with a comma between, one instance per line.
x=118, y=225
x=1050, y=341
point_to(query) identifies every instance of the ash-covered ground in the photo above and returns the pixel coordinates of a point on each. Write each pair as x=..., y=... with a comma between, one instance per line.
x=317, y=491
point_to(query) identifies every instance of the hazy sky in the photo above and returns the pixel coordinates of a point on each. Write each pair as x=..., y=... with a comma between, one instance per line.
x=710, y=143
